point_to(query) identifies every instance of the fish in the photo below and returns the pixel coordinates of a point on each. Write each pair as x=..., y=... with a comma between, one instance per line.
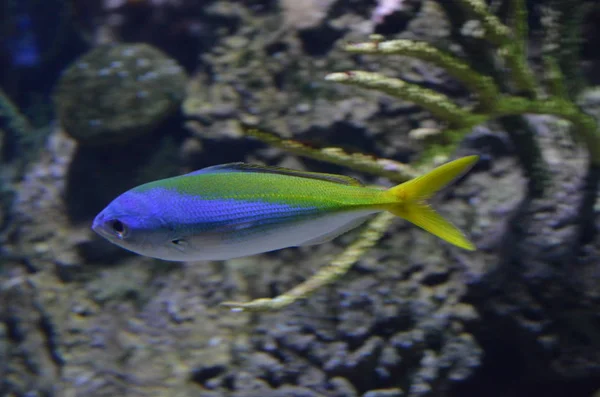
x=235, y=210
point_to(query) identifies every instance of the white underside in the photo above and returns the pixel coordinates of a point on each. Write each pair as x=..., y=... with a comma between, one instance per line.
x=215, y=246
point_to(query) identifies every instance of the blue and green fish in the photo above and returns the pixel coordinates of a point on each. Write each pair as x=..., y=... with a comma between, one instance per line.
x=234, y=210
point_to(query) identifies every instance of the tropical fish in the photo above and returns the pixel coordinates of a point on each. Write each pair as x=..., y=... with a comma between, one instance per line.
x=234, y=210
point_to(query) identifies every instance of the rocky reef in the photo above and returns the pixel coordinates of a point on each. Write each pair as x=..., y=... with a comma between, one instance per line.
x=115, y=93
x=413, y=317
x=138, y=326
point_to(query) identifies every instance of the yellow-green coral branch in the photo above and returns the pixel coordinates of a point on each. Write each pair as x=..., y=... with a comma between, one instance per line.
x=518, y=12
x=439, y=152
x=17, y=123
x=483, y=86
x=372, y=233
x=584, y=125
x=495, y=31
x=509, y=48
x=438, y=104
x=554, y=78
x=390, y=169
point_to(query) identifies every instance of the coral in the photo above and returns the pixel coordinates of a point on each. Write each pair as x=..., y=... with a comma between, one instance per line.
x=549, y=229
x=553, y=227
x=390, y=169
x=12, y=118
x=326, y=275
x=490, y=103
x=115, y=93
x=19, y=142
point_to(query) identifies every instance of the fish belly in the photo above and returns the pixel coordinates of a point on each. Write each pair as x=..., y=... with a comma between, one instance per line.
x=250, y=238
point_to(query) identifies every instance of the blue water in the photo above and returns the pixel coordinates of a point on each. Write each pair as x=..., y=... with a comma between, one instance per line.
x=22, y=45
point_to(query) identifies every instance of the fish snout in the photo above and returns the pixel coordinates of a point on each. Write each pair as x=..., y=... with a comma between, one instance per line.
x=101, y=227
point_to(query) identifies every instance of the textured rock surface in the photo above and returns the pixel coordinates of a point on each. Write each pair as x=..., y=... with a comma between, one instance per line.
x=114, y=93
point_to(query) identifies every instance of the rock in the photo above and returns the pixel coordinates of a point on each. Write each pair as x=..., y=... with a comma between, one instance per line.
x=115, y=93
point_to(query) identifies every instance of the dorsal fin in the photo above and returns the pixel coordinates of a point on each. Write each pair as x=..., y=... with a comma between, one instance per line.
x=244, y=167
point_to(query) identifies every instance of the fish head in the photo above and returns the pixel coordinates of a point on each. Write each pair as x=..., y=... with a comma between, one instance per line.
x=133, y=221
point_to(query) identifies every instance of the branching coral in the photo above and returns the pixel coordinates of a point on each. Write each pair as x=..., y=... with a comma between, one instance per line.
x=12, y=117
x=523, y=94
x=390, y=169
x=328, y=274
x=528, y=97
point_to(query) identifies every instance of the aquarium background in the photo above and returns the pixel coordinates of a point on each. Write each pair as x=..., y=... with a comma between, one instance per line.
x=100, y=96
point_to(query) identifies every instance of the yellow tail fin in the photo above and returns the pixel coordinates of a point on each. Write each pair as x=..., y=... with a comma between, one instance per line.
x=411, y=205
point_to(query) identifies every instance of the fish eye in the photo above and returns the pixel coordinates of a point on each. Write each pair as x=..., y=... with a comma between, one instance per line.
x=119, y=228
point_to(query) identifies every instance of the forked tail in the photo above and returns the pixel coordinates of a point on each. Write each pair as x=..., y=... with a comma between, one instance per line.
x=411, y=199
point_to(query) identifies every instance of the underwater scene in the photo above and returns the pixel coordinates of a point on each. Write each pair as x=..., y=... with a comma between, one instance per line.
x=299, y=198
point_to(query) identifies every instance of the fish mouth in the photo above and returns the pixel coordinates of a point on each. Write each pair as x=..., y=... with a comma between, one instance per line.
x=100, y=226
